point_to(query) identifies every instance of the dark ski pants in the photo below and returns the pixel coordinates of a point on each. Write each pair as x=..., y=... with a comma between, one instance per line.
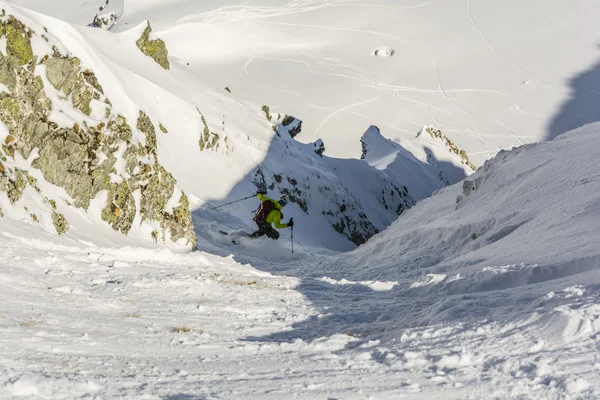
x=266, y=229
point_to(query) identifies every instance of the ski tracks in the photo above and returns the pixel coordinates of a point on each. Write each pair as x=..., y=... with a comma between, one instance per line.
x=511, y=61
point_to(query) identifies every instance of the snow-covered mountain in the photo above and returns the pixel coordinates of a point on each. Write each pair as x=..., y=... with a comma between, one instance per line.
x=495, y=295
x=133, y=131
x=118, y=130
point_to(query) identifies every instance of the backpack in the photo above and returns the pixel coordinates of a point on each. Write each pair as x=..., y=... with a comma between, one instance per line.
x=263, y=211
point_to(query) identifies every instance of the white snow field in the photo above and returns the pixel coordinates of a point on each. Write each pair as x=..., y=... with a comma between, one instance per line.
x=487, y=288
x=490, y=74
x=496, y=296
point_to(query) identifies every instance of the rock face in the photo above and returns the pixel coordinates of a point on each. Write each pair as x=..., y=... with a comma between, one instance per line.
x=436, y=133
x=64, y=74
x=292, y=125
x=319, y=147
x=155, y=49
x=83, y=160
x=17, y=40
x=208, y=140
x=340, y=208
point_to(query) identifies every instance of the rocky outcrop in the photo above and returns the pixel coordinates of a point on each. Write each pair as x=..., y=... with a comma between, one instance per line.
x=83, y=160
x=208, y=140
x=65, y=75
x=292, y=125
x=267, y=112
x=340, y=208
x=13, y=183
x=144, y=125
x=436, y=133
x=154, y=48
x=319, y=147
x=17, y=36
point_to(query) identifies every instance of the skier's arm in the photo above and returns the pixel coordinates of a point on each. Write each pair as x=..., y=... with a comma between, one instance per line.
x=262, y=197
x=277, y=221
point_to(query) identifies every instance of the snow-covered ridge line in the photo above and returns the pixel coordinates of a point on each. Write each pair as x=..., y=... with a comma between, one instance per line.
x=521, y=225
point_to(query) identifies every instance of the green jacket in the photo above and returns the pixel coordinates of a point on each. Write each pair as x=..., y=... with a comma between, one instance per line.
x=275, y=215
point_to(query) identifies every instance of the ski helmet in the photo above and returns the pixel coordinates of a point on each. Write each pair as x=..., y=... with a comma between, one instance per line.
x=283, y=199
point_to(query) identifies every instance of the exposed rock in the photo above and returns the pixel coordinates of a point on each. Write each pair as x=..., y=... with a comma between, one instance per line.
x=155, y=49
x=208, y=139
x=319, y=147
x=90, y=78
x=64, y=159
x=13, y=184
x=60, y=223
x=104, y=22
x=365, y=150
x=436, y=133
x=65, y=75
x=267, y=112
x=82, y=159
x=120, y=129
x=145, y=126
x=179, y=224
x=296, y=196
x=25, y=110
x=292, y=125
x=162, y=128
x=259, y=180
x=156, y=194
x=365, y=147
x=120, y=210
x=350, y=220
x=17, y=40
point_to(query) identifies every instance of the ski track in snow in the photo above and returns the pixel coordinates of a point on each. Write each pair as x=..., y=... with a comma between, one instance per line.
x=361, y=77
x=346, y=108
x=371, y=82
x=511, y=61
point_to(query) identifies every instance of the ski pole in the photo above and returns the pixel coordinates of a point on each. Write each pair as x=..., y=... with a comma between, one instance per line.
x=237, y=201
x=292, y=239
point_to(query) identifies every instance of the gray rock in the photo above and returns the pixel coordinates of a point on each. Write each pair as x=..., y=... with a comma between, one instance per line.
x=155, y=49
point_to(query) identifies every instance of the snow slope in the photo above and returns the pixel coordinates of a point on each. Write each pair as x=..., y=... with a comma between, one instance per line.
x=221, y=148
x=488, y=289
x=504, y=74
x=423, y=310
x=491, y=75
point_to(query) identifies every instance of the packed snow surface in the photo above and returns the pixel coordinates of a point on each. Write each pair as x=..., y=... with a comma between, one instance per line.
x=494, y=296
x=488, y=289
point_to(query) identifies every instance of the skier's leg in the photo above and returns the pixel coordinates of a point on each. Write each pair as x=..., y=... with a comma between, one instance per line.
x=272, y=233
x=260, y=232
x=256, y=234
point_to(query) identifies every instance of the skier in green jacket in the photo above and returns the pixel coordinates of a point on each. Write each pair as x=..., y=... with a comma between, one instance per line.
x=269, y=212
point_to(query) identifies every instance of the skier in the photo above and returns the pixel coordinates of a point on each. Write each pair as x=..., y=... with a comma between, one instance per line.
x=269, y=212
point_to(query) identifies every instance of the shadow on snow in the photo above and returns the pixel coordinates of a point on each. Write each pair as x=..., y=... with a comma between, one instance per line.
x=582, y=108
x=354, y=308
